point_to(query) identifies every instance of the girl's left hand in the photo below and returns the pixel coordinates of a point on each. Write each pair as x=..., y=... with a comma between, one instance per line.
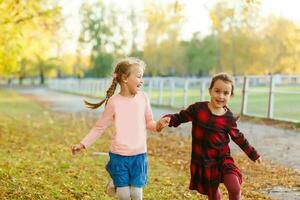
x=162, y=123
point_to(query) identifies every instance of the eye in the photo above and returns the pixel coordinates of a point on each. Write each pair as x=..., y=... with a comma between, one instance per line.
x=226, y=93
x=217, y=91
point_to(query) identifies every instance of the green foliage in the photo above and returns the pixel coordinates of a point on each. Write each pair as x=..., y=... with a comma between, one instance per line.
x=200, y=55
x=101, y=66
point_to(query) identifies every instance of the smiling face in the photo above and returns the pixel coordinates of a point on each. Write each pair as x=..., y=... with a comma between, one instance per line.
x=134, y=81
x=220, y=94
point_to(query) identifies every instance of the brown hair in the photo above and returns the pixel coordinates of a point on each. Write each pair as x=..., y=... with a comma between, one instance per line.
x=122, y=67
x=224, y=77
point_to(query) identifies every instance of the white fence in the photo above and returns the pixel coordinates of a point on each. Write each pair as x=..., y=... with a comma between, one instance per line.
x=16, y=82
x=275, y=97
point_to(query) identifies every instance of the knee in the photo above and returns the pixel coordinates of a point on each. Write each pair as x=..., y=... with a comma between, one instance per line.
x=136, y=194
x=234, y=191
x=233, y=185
x=123, y=194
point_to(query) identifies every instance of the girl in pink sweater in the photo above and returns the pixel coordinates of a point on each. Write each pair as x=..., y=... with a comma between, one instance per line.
x=131, y=114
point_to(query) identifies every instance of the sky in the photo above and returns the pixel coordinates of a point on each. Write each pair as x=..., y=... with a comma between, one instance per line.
x=196, y=15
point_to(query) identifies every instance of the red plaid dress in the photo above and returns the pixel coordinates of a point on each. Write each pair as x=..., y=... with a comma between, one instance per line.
x=211, y=157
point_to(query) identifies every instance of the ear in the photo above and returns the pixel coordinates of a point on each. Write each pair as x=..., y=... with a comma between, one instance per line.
x=124, y=78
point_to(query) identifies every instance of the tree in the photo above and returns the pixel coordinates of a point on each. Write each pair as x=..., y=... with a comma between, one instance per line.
x=101, y=31
x=24, y=25
x=234, y=23
x=200, y=55
x=282, y=50
x=162, y=49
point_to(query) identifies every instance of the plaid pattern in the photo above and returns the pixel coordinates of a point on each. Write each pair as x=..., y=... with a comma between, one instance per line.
x=211, y=157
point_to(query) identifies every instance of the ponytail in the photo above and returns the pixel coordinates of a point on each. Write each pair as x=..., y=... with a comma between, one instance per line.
x=109, y=93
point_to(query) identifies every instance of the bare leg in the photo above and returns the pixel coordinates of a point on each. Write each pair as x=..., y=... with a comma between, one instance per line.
x=233, y=186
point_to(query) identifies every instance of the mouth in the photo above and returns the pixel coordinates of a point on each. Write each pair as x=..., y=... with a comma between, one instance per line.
x=220, y=102
x=139, y=86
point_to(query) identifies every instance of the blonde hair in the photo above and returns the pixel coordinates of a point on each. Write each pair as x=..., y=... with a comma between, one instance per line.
x=123, y=66
x=224, y=77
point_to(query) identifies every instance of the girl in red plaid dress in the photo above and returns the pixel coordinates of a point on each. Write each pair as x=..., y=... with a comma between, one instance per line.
x=213, y=124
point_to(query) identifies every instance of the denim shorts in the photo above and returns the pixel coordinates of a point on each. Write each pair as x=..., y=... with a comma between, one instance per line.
x=128, y=170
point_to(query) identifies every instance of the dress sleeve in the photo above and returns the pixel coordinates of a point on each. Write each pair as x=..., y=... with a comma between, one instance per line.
x=238, y=137
x=104, y=120
x=150, y=123
x=183, y=116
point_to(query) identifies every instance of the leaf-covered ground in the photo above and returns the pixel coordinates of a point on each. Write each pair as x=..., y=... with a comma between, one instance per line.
x=36, y=161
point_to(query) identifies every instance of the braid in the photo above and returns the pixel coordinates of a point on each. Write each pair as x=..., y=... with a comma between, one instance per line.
x=109, y=93
x=111, y=90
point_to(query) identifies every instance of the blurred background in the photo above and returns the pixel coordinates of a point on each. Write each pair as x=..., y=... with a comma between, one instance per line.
x=72, y=46
x=54, y=38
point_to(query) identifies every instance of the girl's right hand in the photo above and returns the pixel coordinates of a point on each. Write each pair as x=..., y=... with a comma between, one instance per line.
x=77, y=148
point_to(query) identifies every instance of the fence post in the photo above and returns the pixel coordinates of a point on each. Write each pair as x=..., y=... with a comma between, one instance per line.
x=271, y=97
x=91, y=83
x=105, y=86
x=245, y=96
x=102, y=86
x=94, y=87
x=172, y=89
x=185, y=96
x=88, y=87
x=149, y=89
x=202, y=90
x=76, y=86
x=83, y=86
x=97, y=87
x=161, y=87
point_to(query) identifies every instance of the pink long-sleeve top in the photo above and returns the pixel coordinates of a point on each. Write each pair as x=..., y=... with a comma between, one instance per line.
x=131, y=117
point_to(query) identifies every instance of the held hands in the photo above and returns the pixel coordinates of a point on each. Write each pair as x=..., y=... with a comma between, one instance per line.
x=162, y=123
x=77, y=148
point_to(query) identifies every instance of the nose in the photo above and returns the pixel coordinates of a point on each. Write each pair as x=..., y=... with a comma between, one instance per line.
x=221, y=95
x=142, y=80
